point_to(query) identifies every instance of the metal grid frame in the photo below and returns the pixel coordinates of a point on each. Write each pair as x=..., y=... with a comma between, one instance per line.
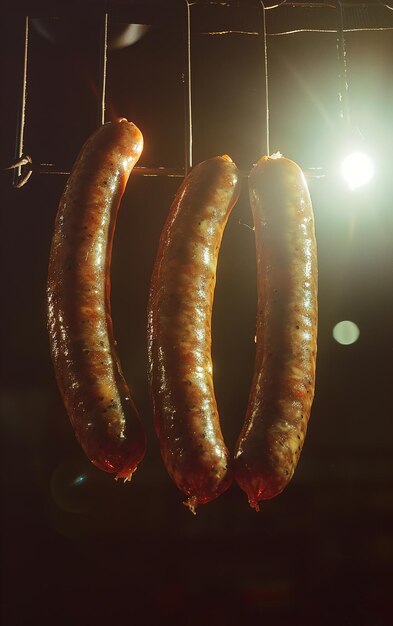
x=23, y=165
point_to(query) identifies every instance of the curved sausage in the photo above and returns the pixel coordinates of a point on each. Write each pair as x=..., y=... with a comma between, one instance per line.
x=282, y=390
x=82, y=345
x=179, y=332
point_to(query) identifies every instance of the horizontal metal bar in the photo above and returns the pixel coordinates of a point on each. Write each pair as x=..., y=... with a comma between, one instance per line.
x=163, y=14
x=169, y=172
x=172, y=172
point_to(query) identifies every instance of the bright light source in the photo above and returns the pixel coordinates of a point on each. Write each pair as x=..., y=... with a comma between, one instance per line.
x=346, y=332
x=357, y=169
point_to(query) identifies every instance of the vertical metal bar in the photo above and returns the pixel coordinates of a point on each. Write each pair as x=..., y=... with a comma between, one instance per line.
x=266, y=68
x=22, y=108
x=188, y=161
x=103, y=69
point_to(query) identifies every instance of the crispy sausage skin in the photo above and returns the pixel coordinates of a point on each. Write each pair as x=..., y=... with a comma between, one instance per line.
x=282, y=390
x=179, y=331
x=82, y=345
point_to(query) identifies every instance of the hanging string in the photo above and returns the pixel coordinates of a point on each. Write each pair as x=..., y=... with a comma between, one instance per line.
x=103, y=72
x=342, y=59
x=266, y=68
x=19, y=178
x=188, y=161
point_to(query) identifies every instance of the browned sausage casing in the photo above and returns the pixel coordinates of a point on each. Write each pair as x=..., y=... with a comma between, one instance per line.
x=282, y=391
x=179, y=331
x=82, y=345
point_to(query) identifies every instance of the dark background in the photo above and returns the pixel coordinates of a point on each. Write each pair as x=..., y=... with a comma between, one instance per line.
x=79, y=548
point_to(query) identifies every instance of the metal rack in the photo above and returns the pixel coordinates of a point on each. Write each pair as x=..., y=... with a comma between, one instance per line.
x=373, y=15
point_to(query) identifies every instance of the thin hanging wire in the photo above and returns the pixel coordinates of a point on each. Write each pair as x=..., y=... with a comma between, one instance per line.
x=103, y=68
x=19, y=178
x=188, y=160
x=343, y=69
x=266, y=68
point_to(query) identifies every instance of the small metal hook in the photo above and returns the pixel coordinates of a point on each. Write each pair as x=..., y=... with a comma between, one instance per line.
x=24, y=172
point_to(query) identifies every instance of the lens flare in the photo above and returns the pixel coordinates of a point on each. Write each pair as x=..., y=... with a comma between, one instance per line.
x=346, y=332
x=357, y=170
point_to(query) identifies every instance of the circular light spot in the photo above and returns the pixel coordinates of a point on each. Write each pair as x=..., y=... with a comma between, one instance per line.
x=346, y=332
x=71, y=487
x=357, y=169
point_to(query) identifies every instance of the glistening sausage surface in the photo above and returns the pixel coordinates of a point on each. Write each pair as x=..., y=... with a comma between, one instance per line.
x=282, y=391
x=179, y=331
x=82, y=345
